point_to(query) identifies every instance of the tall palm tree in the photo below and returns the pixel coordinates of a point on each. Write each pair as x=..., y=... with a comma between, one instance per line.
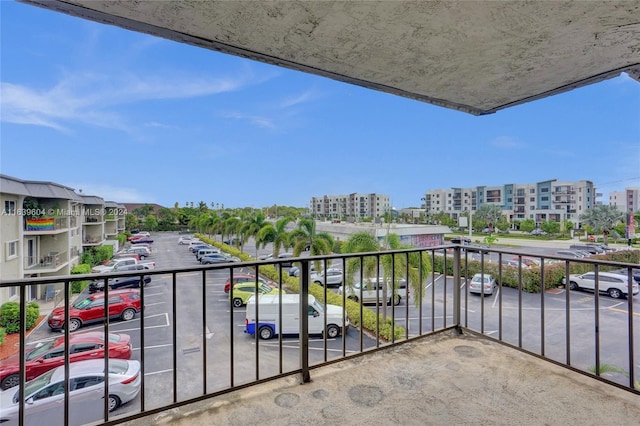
x=276, y=234
x=305, y=237
x=232, y=227
x=602, y=218
x=418, y=265
x=252, y=227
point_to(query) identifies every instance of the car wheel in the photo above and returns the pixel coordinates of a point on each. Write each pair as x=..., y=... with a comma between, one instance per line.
x=265, y=332
x=318, y=282
x=354, y=298
x=10, y=381
x=395, y=299
x=573, y=285
x=110, y=287
x=74, y=324
x=614, y=293
x=333, y=331
x=114, y=402
x=128, y=314
x=237, y=302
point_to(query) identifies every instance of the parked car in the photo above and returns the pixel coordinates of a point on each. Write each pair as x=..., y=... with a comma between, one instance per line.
x=241, y=292
x=200, y=253
x=115, y=265
x=120, y=282
x=480, y=282
x=570, y=253
x=333, y=277
x=528, y=262
x=48, y=355
x=184, y=239
x=537, y=231
x=120, y=255
x=461, y=240
x=588, y=248
x=615, y=285
x=606, y=248
x=218, y=258
x=142, y=240
x=373, y=291
x=286, y=264
x=247, y=278
x=199, y=246
x=141, y=250
x=233, y=241
x=44, y=395
x=265, y=256
x=123, y=304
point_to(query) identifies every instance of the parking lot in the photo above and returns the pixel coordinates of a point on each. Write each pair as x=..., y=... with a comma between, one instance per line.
x=190, y=327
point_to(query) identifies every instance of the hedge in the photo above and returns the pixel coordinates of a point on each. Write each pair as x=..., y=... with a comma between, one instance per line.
x=79, y=286
x=10, y=316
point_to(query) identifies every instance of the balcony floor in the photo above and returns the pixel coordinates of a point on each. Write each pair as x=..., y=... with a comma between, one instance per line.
x=441, y=380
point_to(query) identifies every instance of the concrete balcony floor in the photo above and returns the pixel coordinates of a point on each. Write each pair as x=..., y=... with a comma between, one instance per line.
x=443, y=379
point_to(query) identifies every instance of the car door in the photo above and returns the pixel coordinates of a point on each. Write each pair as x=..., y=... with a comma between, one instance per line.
x=116, y=305
x=46, y=362
x=86, y=350
x=86, y=404
x=46, y=406
x=588, y=281
x=93, y=312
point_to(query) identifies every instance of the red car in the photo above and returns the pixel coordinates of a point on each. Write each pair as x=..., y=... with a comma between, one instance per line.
x=83, y=346
x=123, y=304
x=142, y=240
x=243, y=278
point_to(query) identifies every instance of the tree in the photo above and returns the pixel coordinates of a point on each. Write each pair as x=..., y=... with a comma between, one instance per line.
x=305, y=236
x=527, y=225
x=166, y=218
x=602, y=218
x=252, y=227
x=143, y=211
x=491, y=214
x=150, y=222
x=131, y=221
x=550, y=227
x=394, y=267
x=276, y=234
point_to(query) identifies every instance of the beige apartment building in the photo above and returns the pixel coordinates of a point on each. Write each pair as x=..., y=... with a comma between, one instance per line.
x=45, y=227
x=350, y=207
x=550, y=200
x=627, y=201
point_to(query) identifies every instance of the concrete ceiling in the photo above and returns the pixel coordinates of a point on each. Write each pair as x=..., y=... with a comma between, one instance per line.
x=473, y=56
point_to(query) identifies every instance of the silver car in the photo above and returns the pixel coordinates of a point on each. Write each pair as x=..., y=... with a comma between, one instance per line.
x=333, y=277
x=476, y=284
x=44, y=395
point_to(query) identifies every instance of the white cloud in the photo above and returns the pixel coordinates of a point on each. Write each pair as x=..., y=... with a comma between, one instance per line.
x=290, y=101
x=257, y=120
x=113, y=193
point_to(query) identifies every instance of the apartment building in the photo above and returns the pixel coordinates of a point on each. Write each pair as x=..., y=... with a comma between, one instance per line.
x=45, y=227
x=550, y=200
x=627, y=201
x=352, y=206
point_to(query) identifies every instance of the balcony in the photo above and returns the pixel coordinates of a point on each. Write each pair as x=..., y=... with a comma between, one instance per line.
x=445, y=357
x=48, y=225
x=49, y=262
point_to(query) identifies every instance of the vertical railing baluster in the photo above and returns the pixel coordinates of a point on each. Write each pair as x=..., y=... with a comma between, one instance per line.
x=231, y=339
x=407, y=286
x=632, y=380
x=174, y=313
x=279, y=325
x=543, y=287
x=67, y=302
x=520, y=303
x=142, y=345
x=456, y=291
x=567, y=306
x=23, y=331
x=344, y=307
x=204, y=332
x=596, y=306
x=304, y=324
x=500, y=297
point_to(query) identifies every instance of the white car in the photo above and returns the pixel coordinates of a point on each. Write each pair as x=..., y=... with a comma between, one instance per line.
x=475, y=284
x=44, y=395
x=615, y=285
x=333, y=276
x=184, y=240
x=373, y=292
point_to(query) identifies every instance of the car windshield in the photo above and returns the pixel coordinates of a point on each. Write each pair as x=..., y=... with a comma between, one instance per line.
x=35, y=385
x=110, y=263
x=481, y=279
x=82, y=303
x=40, y=350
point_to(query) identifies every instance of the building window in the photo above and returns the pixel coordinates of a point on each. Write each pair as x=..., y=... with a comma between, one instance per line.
x=12, y=249
x=9, y=207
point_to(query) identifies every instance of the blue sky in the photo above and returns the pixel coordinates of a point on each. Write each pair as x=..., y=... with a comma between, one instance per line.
x=134, y=118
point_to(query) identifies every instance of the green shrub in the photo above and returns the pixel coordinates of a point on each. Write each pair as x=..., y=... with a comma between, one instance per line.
x=10, y=316
x=2, y=334
x=78, y=286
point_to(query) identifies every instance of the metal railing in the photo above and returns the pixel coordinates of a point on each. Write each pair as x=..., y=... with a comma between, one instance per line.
x=51, y=260
x=44, y=225
x=550, y=323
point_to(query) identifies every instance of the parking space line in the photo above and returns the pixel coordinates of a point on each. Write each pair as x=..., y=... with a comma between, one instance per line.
x=153, y=347
x=158, y=372
x=624, y=312
x=153, y=304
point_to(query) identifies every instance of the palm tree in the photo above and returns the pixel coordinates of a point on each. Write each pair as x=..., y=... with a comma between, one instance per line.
x=363, y=242
x=305, y=237
x=252, y=227
x=276, y=234
x=232, y=227
x=602, y=218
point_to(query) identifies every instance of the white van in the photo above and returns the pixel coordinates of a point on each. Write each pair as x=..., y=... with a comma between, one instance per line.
x=269, y=308
x=206, y=252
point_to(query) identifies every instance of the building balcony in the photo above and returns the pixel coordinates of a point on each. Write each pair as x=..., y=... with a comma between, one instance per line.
x=92, y=241
x=93, y=220
x=441, y=356
x=48, y=225
x=49, y=262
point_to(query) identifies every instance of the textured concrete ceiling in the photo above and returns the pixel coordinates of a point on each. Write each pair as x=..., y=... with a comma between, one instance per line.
x=474, y=56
